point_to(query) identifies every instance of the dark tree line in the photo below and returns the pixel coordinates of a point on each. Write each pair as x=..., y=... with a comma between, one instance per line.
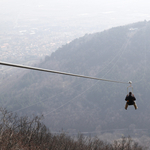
x=29, y=133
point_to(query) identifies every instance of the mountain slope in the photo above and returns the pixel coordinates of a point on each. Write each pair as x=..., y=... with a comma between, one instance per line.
x=77, y=104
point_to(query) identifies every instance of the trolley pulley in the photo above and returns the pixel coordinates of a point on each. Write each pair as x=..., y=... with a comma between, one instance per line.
x=130, y=87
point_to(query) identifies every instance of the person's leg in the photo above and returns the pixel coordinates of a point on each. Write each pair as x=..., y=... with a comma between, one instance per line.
x=126, y=106
x=135, y=106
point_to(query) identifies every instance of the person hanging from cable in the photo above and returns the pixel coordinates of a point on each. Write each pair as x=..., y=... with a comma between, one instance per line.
x=130, y=98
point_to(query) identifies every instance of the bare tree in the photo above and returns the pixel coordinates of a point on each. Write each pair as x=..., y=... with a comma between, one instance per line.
x=29, y=133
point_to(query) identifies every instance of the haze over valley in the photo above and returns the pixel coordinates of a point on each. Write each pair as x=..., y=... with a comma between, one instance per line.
x=34, y=29
x=103, y=39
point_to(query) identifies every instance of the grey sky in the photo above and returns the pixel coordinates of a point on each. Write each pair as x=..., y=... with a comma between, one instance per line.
x=107, y=12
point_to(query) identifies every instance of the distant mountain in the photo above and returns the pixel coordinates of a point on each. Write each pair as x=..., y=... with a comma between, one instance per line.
x=76, y=104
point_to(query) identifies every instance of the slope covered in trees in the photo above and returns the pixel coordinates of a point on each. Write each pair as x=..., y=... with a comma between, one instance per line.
x=82, y=105
x=26, y=133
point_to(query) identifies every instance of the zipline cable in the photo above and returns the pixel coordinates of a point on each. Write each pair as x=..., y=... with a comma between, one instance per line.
x=43, y=100
x=124, y=46
x=110, y=62
x=119, y=55
x=58, y=72
x=67, y=102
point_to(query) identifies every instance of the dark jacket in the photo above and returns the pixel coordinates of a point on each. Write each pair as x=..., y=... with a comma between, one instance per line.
x=130, y=99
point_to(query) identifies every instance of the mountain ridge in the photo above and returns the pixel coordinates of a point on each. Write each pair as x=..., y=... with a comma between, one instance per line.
x=120, y=53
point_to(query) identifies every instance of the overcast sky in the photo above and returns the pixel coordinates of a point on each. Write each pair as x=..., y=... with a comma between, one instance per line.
x=112, y=12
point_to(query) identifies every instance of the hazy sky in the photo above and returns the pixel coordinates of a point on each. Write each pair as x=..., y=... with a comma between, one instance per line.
x=81, y=5
x=112, y=12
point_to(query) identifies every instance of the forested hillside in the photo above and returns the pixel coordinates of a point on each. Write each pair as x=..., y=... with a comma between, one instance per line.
x=83, y=105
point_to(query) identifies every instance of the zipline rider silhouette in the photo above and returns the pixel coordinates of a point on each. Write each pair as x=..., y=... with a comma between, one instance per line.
x=130, y=100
